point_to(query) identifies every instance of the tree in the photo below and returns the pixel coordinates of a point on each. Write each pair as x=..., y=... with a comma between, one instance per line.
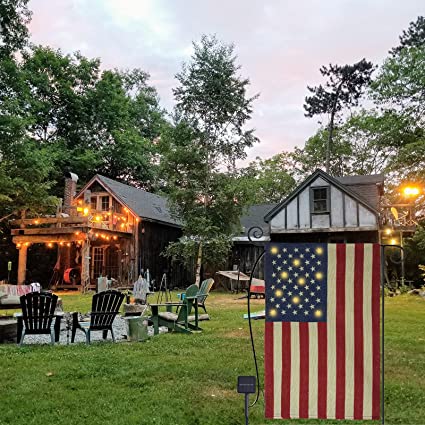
x=344, y=88
x=24, y=181
x=200, y=150
x=413, y=37
x=315, y=153
x=400, y=84
x=268, y=180
x=90, y=121
x=14, y=17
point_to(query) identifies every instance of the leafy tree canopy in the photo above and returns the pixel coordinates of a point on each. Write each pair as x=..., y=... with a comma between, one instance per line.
x=212, y=108
x=14, y=17
x=88, y=121
x=414, y=36
x=344, y=87
x=268, y=180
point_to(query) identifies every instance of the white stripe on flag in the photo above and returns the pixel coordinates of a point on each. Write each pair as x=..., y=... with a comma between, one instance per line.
x=331, y=331
x=349, y=332
x=277, y=366
x=367, y=331
x=295, y=370
x=313, y=369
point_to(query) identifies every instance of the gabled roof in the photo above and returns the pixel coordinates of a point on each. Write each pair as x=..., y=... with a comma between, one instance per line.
x=143, y=204
x=254, y=217
x=331, y=180
x=367, y=187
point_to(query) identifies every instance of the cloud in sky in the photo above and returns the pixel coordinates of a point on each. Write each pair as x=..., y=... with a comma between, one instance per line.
x=280, y=44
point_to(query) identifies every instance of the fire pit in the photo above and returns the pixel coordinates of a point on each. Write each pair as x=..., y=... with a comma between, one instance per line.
x=8, y=329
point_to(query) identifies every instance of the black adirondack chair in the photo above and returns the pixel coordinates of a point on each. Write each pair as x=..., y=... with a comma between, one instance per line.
x=38, y=312
x=105, y=306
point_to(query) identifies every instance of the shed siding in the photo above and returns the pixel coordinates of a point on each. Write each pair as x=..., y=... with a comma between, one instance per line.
x=350, y=212
x=278, y=221
x=320, y=221
x=345, y=213
x=319, y=182
x=292, y=215
x=337, y=207
x=366, y=217
x=304, y=202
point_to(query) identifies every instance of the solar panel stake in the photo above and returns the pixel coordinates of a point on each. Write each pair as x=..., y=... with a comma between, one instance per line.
x=246, y=385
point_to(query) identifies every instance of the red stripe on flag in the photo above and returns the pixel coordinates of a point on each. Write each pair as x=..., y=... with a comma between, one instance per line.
x=340, y=331
x=286, y=370
x=268, y=368
x=376, y=285
x=358, y=331
x=304, y=370
x=322, y=369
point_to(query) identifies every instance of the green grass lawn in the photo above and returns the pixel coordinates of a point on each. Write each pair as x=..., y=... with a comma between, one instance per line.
x=184, y=379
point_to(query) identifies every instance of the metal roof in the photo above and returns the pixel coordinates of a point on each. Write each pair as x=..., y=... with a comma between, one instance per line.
x=254, y=217
x=368, y=187
x=366, y=179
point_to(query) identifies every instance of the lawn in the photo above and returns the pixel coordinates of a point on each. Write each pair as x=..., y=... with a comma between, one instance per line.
x=184, y=379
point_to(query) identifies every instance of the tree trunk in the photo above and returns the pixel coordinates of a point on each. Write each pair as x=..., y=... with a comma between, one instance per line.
x=331, y=127
x=198, y=266
x=329, y=143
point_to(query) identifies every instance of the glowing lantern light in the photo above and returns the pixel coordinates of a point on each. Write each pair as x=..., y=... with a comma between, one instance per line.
x=411, y=191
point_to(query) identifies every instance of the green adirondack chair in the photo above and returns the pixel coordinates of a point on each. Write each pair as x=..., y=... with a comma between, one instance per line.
x=203, y=292
x=178, y=322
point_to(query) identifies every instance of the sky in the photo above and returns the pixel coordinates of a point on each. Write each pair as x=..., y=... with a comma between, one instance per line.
x=280, y=45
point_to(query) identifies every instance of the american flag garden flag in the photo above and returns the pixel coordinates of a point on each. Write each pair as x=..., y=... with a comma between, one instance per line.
x=322, y=336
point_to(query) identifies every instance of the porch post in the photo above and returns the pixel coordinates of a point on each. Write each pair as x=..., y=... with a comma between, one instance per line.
x=85, y=265
x=22, y=264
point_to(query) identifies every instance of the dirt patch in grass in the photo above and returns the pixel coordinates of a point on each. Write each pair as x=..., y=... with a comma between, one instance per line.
x=235, y=300
x=237, y=333
x=218, y=393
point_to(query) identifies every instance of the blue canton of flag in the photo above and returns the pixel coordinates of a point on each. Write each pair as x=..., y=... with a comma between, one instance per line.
x=296, y=282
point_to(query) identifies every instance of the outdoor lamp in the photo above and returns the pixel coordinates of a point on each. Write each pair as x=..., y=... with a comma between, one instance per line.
x=411, y=191
x=247, y=386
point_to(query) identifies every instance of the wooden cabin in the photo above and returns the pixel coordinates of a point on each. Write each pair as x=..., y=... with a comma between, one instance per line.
x=106, y=229
x=321, y=209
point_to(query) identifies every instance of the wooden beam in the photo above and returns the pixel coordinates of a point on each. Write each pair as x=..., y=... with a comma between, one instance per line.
x=325, y=230
x=48, y=231
x=22, y=239
x=50, y=220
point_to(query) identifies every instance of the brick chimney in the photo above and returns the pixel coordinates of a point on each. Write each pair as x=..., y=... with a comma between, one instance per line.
x=70, y=190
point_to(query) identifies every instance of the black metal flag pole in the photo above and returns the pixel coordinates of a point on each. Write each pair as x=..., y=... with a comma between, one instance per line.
x=383, y=267
x=256, y=232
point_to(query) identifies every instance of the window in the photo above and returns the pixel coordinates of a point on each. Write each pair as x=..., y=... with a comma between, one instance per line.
x=320, y=202
x=93, y=202
x=105, y=203
x=116, y=206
